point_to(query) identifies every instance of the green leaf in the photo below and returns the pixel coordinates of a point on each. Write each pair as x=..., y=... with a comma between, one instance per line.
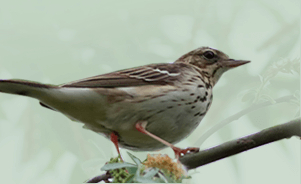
x=159, y=180
x=131, y=180
x=260, y=78
x=112, y=166
x=151, y=173
x=135, y=159
x=144, y=180
x=248, y=96
x=169, y=177
x=132, y=170
x=268, y=98
x=163, y=177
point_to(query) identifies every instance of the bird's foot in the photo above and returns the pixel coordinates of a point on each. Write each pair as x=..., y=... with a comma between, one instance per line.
x=181, y=152
x=114, y=139
x=178, y=151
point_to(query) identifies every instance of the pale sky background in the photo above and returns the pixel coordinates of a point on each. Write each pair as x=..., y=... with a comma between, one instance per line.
x=61, y=41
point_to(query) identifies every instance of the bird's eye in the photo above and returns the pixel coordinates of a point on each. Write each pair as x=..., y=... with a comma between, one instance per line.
x=209, y=55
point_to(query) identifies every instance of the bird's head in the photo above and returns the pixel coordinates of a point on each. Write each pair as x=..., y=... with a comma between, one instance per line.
x=211, y=62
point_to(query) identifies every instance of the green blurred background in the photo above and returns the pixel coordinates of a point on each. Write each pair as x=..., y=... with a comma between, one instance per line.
x=60, y=41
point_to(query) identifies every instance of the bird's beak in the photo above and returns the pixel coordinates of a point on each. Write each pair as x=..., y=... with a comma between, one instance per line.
x=232, y=63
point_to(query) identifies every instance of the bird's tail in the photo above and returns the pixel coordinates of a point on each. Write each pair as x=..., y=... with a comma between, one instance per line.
x=25, y=88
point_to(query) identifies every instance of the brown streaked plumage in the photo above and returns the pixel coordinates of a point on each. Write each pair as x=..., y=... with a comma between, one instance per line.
x=154, y=74
x=144, y=108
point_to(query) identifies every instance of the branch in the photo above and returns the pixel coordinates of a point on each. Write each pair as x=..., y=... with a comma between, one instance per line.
x=240, y=114
x=286, y=130
x=272, y=134
x=104, y=177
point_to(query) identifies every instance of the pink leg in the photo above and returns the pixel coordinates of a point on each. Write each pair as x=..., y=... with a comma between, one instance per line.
x=114, y=139
x=178, y=151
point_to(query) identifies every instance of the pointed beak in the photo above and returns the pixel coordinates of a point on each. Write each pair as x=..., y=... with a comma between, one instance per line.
x=232, y=63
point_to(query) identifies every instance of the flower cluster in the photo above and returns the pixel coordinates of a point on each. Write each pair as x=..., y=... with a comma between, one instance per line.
x=164, y=162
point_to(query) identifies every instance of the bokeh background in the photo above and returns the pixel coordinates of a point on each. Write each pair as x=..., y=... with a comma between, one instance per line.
x=60, y=41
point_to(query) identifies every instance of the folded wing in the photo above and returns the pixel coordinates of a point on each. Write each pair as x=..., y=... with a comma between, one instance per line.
x=155, y=74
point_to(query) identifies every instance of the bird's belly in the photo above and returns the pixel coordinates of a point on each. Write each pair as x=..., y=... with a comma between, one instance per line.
x=171, y=118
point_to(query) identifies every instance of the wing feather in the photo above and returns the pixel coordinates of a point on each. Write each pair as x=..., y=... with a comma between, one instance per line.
x=155, y=74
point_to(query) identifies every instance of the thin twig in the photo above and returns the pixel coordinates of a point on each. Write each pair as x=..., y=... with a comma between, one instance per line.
x=287, y=130
x=104, y=177
x=241, y=113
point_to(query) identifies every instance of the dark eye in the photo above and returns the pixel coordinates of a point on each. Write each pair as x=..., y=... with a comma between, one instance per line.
x=209, y=55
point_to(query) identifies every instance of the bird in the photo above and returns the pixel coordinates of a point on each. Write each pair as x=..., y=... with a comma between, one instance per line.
x=144, y=108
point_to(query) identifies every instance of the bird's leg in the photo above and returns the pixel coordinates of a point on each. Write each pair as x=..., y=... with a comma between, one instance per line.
x=140, y=126
x=114, y=139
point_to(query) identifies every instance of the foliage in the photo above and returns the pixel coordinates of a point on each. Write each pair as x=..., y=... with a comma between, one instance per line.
x=284, y=66
x=155, y=169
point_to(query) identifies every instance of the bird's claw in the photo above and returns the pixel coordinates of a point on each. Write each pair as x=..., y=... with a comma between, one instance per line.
x=181, y=152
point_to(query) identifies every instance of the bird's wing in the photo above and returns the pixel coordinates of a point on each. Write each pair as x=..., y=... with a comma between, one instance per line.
x=155, y=74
